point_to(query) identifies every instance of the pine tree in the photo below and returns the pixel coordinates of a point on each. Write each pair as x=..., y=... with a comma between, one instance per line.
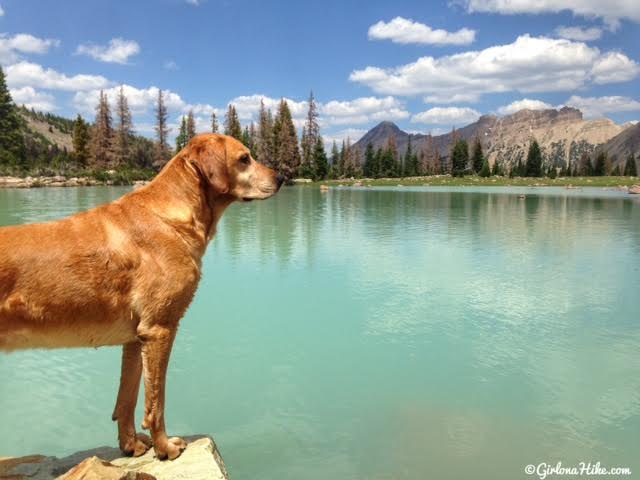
x=334, y=161
x=81, y=139
x=253, y=139
x=342, y=160
x=264, y=140
x=12, y=146
x=584, y=167
x=430, y=161
x=616, y=171
x=285, y=140
x=630, y=169
x=496, y=170
x=533, y=167
x=320, y=161
x=214, y=123
x=599, y=168
x=246, y=137
x=181, y=139
x=410, y=164
x=191, y=126
x=357, y=163
x=459, y=158
x=377, y=163
x=162, y=131
x=477, y=159
x=232, y=125
x=485, y=171
x=102, y=135
x=310, y=135
x=369, y=157
x=348, y=168
x=391, y=159
x=124, y=130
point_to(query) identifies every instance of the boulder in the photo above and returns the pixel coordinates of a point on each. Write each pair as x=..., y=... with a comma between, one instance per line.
x=635, y=190
x=95, y=469
x=200, y=461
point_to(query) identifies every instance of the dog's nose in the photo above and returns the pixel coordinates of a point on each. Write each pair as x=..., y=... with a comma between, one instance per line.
x=280, y=180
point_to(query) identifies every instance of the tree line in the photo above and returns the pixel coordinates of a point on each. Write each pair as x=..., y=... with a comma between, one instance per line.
x=273, y=140
x=465, y=159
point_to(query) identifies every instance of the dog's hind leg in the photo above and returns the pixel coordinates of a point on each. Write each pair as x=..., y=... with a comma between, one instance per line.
x=131, y=443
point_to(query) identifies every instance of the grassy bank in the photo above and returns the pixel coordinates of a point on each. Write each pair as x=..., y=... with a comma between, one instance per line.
x=446, y=180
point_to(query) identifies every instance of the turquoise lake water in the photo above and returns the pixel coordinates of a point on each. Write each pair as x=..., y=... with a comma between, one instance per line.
x=404, y=333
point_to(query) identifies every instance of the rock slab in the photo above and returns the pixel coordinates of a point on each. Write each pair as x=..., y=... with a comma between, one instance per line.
x=200, y=461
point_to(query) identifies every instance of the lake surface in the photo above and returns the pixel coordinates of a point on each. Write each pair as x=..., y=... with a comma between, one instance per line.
x=403, y=333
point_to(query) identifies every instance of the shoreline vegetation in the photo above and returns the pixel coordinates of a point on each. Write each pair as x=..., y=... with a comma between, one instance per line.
x=137, y=178
x=476, y=181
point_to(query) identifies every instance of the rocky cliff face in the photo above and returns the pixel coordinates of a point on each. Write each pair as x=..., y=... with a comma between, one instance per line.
x=622, y=145
x=563, y=136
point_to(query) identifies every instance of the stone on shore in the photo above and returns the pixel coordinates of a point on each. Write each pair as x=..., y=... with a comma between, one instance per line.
x=55, y=181
x=200, y=461
x=635, y=190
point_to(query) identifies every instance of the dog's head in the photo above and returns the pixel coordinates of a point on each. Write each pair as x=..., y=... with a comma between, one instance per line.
x=229, y=169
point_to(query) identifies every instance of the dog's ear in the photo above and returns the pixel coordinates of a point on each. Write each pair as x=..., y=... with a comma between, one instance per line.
x=209, y=156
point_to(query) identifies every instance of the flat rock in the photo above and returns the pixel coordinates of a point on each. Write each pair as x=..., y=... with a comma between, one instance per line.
x=94, y=468
x=200, y=461
x=635, y=189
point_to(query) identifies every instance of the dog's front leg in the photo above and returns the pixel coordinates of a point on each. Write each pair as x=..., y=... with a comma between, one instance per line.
x=131, y=443
x=156, y=348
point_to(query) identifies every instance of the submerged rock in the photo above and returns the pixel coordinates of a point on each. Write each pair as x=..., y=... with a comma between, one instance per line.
x=200, y=461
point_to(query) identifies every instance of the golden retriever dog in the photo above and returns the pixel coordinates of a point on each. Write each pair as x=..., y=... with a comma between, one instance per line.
x=125, y=272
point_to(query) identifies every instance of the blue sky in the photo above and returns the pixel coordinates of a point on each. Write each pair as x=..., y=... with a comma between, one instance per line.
x=426, y=66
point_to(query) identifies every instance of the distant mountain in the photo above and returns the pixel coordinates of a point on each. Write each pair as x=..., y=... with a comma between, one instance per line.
x=563, y=135
x=47, y=129
x=622, y=145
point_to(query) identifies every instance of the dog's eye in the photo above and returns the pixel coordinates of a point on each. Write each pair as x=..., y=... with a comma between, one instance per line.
x=245, y=159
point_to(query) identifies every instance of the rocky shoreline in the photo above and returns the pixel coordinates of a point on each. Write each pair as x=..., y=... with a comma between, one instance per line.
x=55, y=181
x=200, y=461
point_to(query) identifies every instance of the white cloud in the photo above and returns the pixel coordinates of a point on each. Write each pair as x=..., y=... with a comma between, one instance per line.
x=31, y=98
x=350, y=134
x=446, y=116
x=595, y=107
x=195, y=3
x=613, y=67
x=31, y=74
x=248, y=106
x=455, y=98
x=350, y=112
x=581, y=34
x=12, y=47
x=403, y=30
x=611, y=11
x=1, y=12
x=117, y=51
x=141, y=100
x=170, y=65
x=524, y=104
x=362, y=110
x=529, y=64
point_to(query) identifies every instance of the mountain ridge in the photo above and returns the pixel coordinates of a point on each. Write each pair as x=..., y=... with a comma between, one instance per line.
x=563, y=134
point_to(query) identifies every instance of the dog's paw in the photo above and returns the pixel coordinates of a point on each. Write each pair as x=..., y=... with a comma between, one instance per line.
x=171, y=449
x=137, y=445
